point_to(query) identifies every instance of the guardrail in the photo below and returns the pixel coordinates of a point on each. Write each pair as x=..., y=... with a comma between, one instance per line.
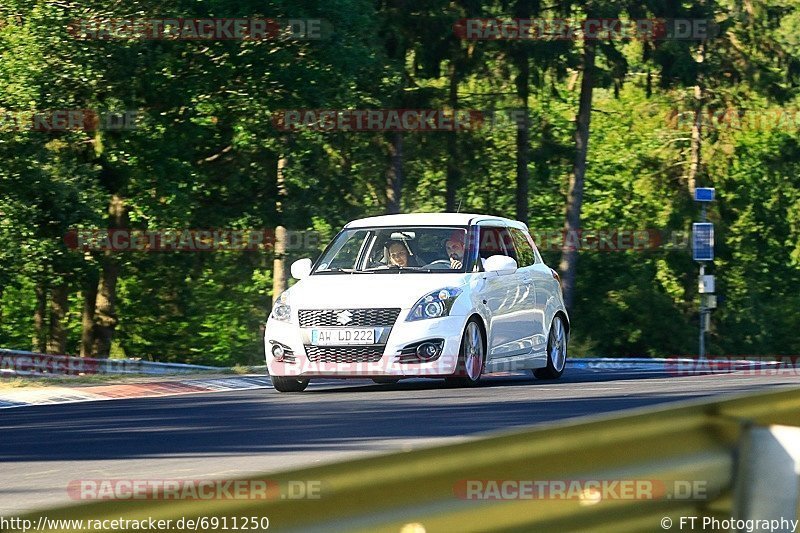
x=742, y=451
x=22, y=363
x=19, y=363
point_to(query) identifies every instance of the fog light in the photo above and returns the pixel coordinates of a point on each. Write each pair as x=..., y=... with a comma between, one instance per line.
x=427, y=350
x=277, y=352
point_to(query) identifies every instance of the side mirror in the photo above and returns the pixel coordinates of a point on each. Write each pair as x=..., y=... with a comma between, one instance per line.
x=301, y=268
x=502, y=264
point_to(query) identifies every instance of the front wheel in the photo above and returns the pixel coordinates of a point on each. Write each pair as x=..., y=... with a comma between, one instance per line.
x=471, y=358
x=289, y=384
x=556, y=351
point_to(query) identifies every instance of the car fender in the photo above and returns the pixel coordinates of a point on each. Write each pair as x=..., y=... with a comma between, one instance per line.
x=554, y=305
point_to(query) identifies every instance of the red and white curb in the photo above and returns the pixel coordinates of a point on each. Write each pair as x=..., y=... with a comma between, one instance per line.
x=56, y=395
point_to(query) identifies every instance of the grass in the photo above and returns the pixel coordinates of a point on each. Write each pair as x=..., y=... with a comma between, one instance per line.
x=37, y=381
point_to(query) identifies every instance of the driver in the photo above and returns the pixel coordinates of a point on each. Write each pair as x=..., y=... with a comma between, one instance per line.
x=455, y=249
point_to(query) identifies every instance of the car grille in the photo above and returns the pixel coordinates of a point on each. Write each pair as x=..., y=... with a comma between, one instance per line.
x=358, y=317
x=345, y=354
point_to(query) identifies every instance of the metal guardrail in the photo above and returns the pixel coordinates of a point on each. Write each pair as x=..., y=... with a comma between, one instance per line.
x=748, y=467
x=20, y=363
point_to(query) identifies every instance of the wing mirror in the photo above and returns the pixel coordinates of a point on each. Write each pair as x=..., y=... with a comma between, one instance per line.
x=301, y=268
x=502, y=264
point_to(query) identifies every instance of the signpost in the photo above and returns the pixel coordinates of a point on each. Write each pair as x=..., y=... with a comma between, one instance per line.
x=703, y=240
x=703, y=251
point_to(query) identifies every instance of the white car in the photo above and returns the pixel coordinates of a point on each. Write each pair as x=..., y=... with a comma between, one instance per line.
x=445, y=295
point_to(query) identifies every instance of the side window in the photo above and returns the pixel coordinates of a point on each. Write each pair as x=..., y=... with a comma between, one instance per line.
x=535, y=251
x=525, y=255
x=495, y=241
x=508, y=244
x=488, y=242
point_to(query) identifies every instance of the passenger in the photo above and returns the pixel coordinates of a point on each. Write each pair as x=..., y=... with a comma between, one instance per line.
x=398, y=254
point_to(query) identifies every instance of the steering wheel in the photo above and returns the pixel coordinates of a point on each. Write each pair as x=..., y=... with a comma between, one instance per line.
x=439, y=264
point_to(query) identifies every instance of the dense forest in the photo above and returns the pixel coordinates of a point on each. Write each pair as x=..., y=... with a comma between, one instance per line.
x=572, y=132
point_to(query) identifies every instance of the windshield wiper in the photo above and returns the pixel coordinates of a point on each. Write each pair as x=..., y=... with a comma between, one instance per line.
x=392, y=269
x=345, y=270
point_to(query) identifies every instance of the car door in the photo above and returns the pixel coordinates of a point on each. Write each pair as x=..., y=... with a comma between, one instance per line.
x=533, y=287
x=548, y=292
x=501, y=295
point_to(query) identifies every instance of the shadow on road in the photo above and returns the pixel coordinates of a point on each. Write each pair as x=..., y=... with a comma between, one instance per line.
x=324, y=418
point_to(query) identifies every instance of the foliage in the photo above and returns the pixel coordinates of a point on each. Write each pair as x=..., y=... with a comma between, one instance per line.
x=205, y=151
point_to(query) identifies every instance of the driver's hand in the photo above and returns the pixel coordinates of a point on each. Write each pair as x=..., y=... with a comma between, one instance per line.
x=455, y=263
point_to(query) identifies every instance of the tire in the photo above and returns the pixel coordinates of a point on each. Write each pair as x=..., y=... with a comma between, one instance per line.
x=557, y=341
x=386, y=381
x=289, y=384
x=471, y=358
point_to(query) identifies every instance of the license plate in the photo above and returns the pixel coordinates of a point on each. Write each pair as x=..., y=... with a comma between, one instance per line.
x=338, y=337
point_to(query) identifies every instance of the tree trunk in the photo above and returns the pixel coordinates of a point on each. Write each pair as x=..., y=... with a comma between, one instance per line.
x=695, y=161
x=569, y=253
x=105, y=309
x=394, y=174
x=87, y=316
x=59, y=304
x=39, y=317
x=453, y=160
x=520, y=56
x=523, y=136
x=279, y=276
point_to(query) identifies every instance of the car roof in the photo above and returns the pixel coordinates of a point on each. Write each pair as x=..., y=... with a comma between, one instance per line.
x=432, y=219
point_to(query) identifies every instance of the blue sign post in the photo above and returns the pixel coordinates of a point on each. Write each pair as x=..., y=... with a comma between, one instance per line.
x=704, y=194
x=703, y=241
x=702, y=251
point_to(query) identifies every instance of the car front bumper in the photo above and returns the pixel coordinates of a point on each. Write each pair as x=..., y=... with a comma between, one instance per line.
x=401, y=335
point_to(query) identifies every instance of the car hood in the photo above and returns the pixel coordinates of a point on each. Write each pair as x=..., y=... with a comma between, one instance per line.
x=333, y=291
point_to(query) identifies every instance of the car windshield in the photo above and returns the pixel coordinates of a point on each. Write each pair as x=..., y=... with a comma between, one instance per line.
x=395, y=249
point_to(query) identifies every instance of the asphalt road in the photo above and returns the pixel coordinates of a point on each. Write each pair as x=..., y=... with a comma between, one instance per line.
x=232, y=434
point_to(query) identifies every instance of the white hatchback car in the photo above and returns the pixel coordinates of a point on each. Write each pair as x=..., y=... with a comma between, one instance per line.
x=443, y=295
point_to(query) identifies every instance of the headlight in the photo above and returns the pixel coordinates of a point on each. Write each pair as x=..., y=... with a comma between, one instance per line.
x=435, y=304
x=281, y=310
